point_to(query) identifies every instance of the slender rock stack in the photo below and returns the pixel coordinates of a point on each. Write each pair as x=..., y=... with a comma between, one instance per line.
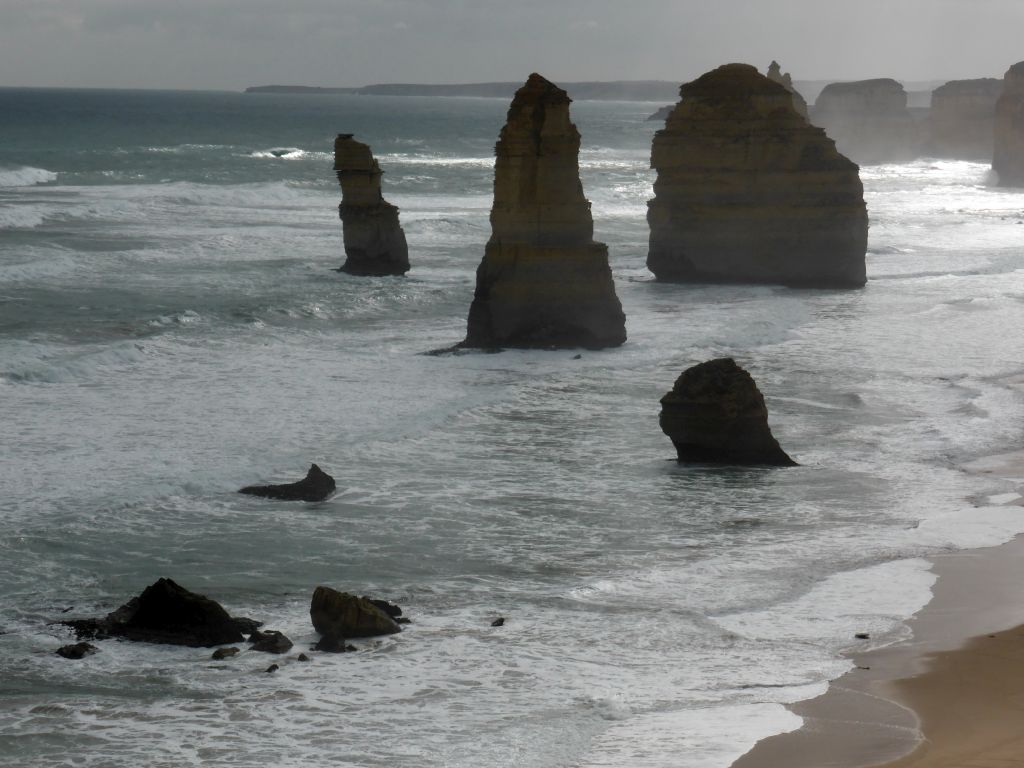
x=776, y=75
x=749, y=191
x=543, y=282
x=374, y=240
x=961, y=122
x=869, y=121
x=1008, y=157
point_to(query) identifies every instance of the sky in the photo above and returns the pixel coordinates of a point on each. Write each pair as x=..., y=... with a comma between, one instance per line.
x=232, y=44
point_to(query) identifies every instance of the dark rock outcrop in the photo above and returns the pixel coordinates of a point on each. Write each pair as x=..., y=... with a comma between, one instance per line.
x=869, y=121
x=166, y=613
x=662, y=114
x=543, y=282
x=961, y=122
x=776, y=75
x=317, y=485
x=77, y=650
x=339, y=616
x=270, y=641
x=715, y=414
x=374, y=240
x=224, y=653
x=1008, y=155
x=749, y=191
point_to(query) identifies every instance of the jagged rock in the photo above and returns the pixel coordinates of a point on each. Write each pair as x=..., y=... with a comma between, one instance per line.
x=339, y=615
x=303, y=657
x=776, y=75
x=498, y=622
x=715, y=414
x=270, y=641
x=961, y=122
x=749, y=191
x=77, y=650
x=166, y=613
x=1008, y=156
x=272, y=668
x=869, y=121
x=374, y=240
x=224, y=653
x=543, y=282
x=317, y=485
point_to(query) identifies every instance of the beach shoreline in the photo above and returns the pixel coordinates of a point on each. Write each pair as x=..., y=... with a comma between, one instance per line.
x=946, y=696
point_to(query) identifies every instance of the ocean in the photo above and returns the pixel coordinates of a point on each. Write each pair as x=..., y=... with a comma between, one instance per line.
x=172, y=328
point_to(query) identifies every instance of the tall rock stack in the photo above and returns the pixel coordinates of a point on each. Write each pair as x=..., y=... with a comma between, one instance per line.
x=374, y=240
x=1008, y=156
x=543, y=282
x=869, y=121
x=749, y=191
x=961, y=122
x=776, y=75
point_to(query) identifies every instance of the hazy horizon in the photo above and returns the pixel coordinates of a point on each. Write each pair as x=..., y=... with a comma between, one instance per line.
x=233, y=44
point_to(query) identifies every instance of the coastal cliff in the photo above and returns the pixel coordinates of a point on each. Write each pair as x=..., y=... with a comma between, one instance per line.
x=869, y=121
x=748, y=191
x=543, y=281
x=1008, y=154
x=374, y=240
x=962, y=119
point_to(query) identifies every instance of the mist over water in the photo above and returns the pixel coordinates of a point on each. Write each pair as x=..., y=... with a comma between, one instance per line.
x=171, y=328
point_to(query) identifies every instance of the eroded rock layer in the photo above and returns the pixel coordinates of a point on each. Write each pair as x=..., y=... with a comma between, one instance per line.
x=715, y=414
x=962, y=119
x=749, y=191
x=374, y=240
x=1008, y=155
x=869, y=121
x=776, y=75
x=544, y=281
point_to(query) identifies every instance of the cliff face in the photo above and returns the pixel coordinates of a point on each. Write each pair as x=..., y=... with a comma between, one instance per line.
x=749, y=191
x=869, y=121
x=1008, y=155
x=543, y=281
x=374, y=240
x=962, y=119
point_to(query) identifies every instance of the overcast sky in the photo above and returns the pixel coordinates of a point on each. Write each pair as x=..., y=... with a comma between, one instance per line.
x=231, y=44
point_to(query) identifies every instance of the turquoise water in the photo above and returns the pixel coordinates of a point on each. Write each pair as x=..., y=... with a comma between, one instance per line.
x=171, y=328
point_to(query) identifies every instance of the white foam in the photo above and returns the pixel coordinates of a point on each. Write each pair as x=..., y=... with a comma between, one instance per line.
x=25, y=176
x=20, y=217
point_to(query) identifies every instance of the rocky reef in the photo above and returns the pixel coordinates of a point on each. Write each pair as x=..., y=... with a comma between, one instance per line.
x=338, y=616
x=715, y=414
x=374, y=240
x=748, y=191
x=961, y=123
x=1008, y=153
x=776, y=75
x=317, y=485
x=543, y=282
x=869, y=121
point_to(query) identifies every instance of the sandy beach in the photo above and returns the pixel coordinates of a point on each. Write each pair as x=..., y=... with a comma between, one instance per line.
x=951, y=695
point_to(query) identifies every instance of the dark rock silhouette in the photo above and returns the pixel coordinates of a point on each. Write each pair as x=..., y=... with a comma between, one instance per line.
x=224, y=653
x=1008, y=156
x=776, y=75
x=869, y=121
x=749, y=191
x=270, y=641
x=543, y=282
x=77, y=650
x=715, y=414
x=662, y=113
x=339, y=616
x=961, y=123
x=317, y=485
x=374, y=241
x=166, y=613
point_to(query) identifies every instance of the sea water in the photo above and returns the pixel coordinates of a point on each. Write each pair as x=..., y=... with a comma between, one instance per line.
x=172, y=328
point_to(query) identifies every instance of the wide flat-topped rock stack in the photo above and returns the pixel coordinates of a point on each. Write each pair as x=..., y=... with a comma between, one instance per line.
x=1008, y=155
x=374, y=240
x=543, y=281
x=961, y=122
x=869, y=121
x=748, y=191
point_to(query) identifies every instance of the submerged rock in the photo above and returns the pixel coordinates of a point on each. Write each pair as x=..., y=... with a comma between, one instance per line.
x=374, y=240
x=1008, y=156
x=224, y=653
x=339, y=616
x=166, y=613
x=749, y=191
x=715, y=414
x=869, y=121
x=317, y=485
x=961, y=122
x=543, y=282
x=77, y=650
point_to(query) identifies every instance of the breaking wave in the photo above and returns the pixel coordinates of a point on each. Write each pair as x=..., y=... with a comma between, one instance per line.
x=25, y=176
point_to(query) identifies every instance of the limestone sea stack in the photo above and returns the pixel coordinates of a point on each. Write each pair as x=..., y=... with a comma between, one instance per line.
x=715, y=414
x=543, y=282
x=748, y=191
x=961, y=122
x=776, y=75
x=869, y=121
x=374, y=240
x=1008, y=155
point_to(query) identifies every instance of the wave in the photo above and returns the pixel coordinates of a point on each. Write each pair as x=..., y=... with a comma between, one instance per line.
x=19, y=217
x=288, y=153
x=25, y=176
x=401, y=158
